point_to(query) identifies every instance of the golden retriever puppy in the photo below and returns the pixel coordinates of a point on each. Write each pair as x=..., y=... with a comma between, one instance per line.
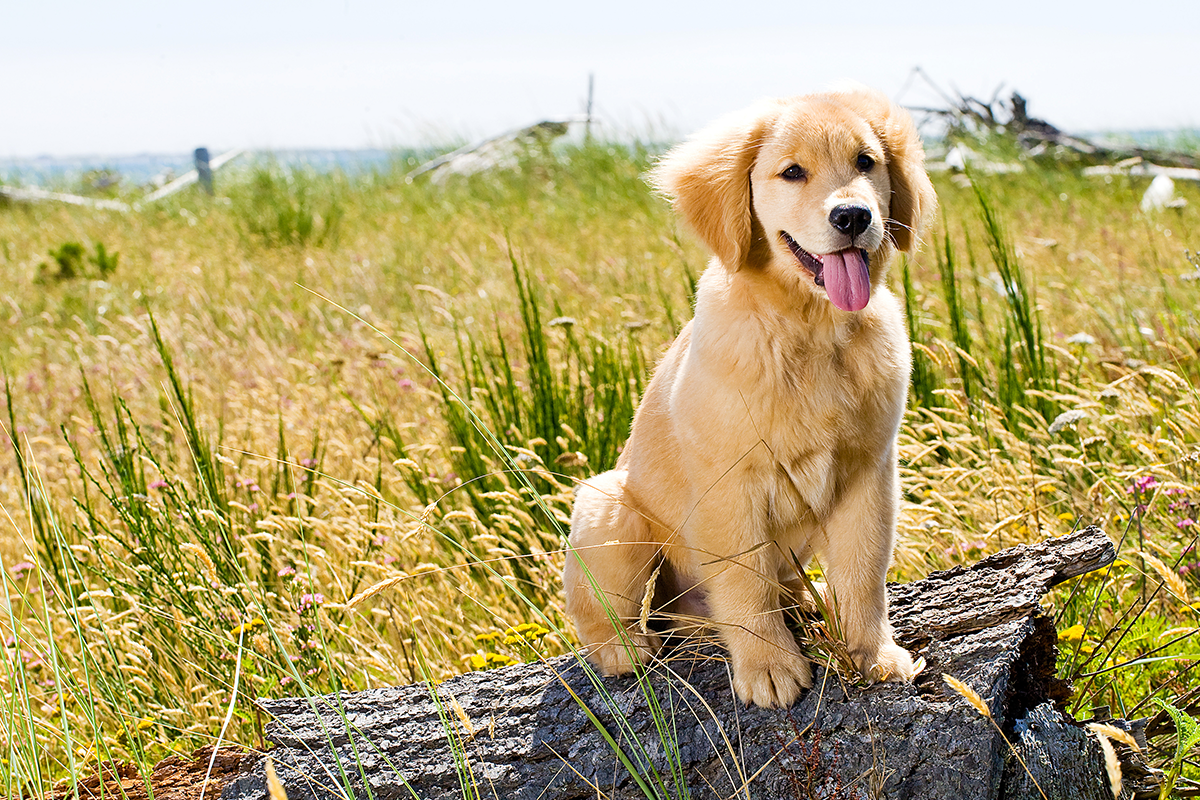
x=768, y=432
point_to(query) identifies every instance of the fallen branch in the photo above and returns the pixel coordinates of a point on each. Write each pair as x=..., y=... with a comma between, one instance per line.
x=968, y=118
x=29, y=194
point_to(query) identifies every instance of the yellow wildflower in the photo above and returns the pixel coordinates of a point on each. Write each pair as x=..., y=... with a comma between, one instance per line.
x=1072, y=634
x=525, y=633
x=248, y=627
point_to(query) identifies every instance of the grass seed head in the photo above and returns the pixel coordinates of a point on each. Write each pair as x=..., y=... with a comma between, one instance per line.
x=1112, y=765
x=1170, y=577
x=969, y=694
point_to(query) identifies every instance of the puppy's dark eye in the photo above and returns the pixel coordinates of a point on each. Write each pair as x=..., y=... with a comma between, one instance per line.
x=864, y=163
x=794, y=173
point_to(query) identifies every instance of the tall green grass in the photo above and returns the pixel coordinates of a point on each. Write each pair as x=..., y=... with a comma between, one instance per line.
x=567, y=396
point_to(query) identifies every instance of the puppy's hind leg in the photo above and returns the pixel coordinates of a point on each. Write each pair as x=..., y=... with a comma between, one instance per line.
x=610, y=559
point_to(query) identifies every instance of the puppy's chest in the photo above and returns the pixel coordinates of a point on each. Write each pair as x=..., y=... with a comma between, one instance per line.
x=815, y=398
x=821, y=417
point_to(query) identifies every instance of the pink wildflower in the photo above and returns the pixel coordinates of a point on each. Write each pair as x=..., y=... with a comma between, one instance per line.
x=308, y=602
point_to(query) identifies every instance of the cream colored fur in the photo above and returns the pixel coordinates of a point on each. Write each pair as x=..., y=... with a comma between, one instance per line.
x=769, y=428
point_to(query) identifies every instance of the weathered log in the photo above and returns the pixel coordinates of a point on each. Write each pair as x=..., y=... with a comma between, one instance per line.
x=554, y=730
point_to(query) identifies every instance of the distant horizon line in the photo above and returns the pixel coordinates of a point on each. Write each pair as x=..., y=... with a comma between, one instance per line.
x=151, y=167
x=1132, y=133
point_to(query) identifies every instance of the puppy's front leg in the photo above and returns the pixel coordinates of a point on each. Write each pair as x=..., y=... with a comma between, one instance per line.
x=743, y=597
x=857, y=552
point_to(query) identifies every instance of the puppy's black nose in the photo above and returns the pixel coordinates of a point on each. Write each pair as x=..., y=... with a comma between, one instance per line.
x=850, y=219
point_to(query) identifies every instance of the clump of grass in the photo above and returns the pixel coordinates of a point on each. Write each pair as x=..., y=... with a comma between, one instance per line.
x=281, y=206
x=569, y=401
x=960, y=333
x=106, y=262
x=922, y=380
x=68, y=263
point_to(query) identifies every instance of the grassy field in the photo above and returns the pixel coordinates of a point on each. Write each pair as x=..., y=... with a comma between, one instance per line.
x=228, y=460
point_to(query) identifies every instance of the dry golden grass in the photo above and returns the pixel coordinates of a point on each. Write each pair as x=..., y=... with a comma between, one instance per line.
x=325, y=434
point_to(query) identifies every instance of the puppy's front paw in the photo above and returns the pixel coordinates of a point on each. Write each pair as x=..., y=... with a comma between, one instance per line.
x=616, y=656
x=774, y=682
x=891, y=663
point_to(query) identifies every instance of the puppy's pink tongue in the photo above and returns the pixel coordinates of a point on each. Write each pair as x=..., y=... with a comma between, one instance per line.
x=847, y=279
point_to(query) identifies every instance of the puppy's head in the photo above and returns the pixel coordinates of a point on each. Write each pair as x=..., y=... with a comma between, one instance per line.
x=818, y=191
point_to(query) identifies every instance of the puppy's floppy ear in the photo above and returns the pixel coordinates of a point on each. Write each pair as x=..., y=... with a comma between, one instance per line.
x=707, y=179
x=913, y=199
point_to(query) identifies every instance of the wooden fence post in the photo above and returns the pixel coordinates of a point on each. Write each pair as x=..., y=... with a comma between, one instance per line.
x=591, y=92
x=203, y=170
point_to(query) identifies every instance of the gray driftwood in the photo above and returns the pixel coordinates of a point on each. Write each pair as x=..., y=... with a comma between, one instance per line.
x=545, y=730
x=497, y=151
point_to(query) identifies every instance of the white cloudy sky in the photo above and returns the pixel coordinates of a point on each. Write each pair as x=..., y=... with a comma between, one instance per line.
x=129, y=76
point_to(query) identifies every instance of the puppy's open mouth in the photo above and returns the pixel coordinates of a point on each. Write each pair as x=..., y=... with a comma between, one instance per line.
x=845, y=274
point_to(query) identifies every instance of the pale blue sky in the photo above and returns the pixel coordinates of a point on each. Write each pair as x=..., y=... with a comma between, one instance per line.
x=125, y=77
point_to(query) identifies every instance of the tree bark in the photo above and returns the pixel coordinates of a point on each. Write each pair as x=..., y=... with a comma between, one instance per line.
x=554, y=730
x=1053, y=754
